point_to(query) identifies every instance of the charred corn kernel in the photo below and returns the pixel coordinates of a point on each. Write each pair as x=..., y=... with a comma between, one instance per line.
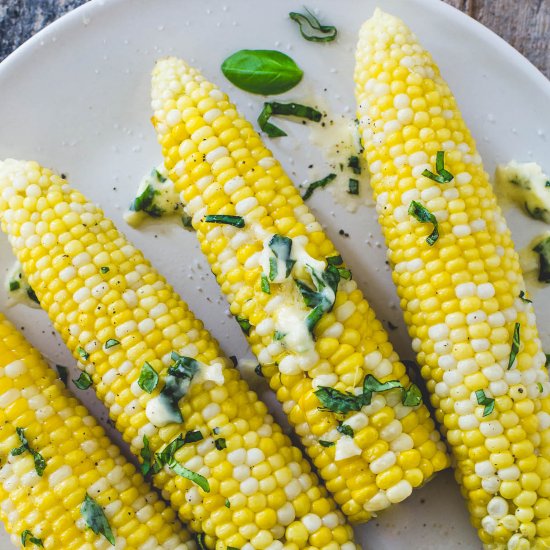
x=133, y=304
x=490, y=394
x=38, y=503
x=346, y=345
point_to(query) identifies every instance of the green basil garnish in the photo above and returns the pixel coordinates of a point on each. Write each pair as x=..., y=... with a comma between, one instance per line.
x=311, y=29
x=353, y=186
x=83, y=382
x=235, y=221
x=443, y=176
x=281, y=247
x=412, y=396
x=32, y=295
x=15, y=285
x=63, y=373
x=265, y=284
x=319, y=184
x=145, y=202
x=326, y=443
x=148, y=378
x=487, y=402
x=111, y=343
x=543, y=250
x=27, y=535
x=344, y=429
x=220, y=443
x=104, y=269
x=182, y=471
x=244, y=323
x=289, y=109
x=147, y=456
x=265, y=72
x=423, y=215
x=515, y=346
x=258, y=370
x=523, y=298
x=39, y=462
x=83, y=353
x=343, y=403
x=354, y=164
x=95, y=518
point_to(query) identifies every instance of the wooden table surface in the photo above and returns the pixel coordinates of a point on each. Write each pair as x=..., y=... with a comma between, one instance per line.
x=523, y=23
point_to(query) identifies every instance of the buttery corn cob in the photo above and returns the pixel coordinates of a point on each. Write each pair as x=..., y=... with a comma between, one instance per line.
x=43, y=497
x=121, y=319
x=219, y=163
x=462, y=295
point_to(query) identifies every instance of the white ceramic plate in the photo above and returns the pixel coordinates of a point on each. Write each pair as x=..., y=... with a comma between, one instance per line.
x=76, y=98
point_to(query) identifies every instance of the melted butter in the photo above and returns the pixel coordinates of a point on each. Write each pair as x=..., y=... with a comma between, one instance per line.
x=18, y=288
x=339, y=140
x=526, y=185
x=290, y=320
x=165, y=199
x=529, y=262
x=346, y=448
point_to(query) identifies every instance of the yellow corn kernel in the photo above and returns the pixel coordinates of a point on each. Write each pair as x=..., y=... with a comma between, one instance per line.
x=48, y=503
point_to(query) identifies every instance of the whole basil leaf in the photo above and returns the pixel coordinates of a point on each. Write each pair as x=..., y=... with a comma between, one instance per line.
x=265, y=72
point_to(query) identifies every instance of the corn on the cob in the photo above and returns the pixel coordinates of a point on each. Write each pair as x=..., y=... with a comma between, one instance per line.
x=462, y=295
x=67, y=456
x=222, y=168
x=120, y=318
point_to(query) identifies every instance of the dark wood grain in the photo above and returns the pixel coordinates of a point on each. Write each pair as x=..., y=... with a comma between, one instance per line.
x=523, y=23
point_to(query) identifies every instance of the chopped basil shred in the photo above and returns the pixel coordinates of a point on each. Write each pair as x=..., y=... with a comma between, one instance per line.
x=15, y=285
x=326, y=443
x=274, y=108
x=235, y=221
x=177, y=382
x=412, y=396
x=244, y=323
x=83, y=382
x=220, y=444
x=515, y=346
x=147, y=456
x=148, y=378
x=487, y=402
x=278, y=335
x=339, y=402
x=95, y=518
x=354, y=164
x=442, y=176
x=111, y=343
x=423, y=215
x=258, y=370
x=27, y=535
x=39, y=462
x=145, y=202
x=335, y=260
x=32, y=295
x=104, y=269
x=63, y=373
x=317, y=185
x=265, y=72
x=227, y=503
x=83, y=353
x=200, y=541
x=311, y=29
x=344, y=429
x=320, y=300
x=182, y=471
x=543, y=250
x=281, y=247
x=523, y=298
x=353, y=186
x=265, y=284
